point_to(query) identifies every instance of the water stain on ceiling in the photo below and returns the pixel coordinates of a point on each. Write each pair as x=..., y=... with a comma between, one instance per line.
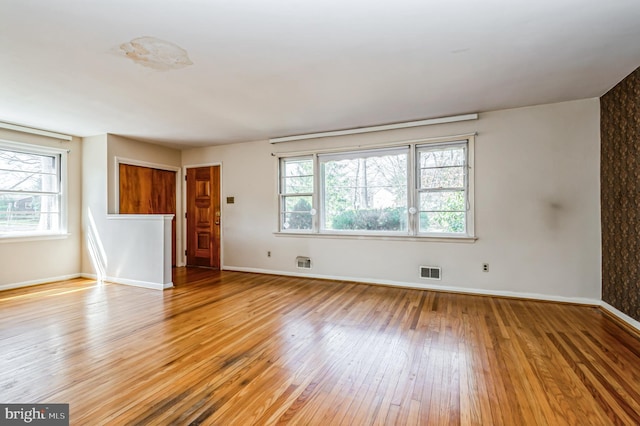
x=154, y=53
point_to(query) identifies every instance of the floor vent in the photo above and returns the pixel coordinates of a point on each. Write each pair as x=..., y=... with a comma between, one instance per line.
x=303, y=262
x=430, y=272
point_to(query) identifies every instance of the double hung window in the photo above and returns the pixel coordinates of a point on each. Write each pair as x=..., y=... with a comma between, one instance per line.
x=442, y=188
x=296, y=193
x=418, y=189
x=31, y=190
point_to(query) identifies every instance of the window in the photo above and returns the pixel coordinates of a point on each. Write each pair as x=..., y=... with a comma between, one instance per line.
x=31, y=190
x=296, y=194
x=417, y=189
x=442, y=183
x=364, y=191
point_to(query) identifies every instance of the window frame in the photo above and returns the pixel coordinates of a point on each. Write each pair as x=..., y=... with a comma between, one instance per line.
x=62, y=193
x=413, y=190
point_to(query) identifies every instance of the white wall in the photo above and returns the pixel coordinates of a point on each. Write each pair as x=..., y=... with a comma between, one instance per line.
x=537, y=209
x=31, y=262
x=127, y=249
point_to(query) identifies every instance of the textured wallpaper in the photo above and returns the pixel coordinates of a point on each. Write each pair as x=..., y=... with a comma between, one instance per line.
x=620, y=195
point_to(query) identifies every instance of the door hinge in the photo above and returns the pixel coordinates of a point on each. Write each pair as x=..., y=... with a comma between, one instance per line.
x=185, y=215
x=185, y=177
x=185, y=252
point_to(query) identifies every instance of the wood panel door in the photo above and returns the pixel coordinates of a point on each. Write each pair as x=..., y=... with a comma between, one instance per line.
x=144, y=190
x=203, y=217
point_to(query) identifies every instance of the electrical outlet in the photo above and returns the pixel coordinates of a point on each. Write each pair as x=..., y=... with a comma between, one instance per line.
x=485, y=267
x=268, y=254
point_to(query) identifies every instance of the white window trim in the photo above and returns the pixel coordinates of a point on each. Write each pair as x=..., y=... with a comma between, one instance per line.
x=64, y=201
x=394, y=237
x=471, y=219
x=413, y=234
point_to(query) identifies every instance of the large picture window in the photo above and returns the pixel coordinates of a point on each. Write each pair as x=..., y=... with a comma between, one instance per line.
x=364, y=191
x=31, y=191
x=422, y=188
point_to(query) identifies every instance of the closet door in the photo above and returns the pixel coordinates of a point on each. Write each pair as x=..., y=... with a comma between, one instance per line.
x=144, y=190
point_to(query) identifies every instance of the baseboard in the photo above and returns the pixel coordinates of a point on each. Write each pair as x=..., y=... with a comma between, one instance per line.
x=483, y=292
x=38, y=282
x=134, y=283
x=626, y=319
x=448, y=289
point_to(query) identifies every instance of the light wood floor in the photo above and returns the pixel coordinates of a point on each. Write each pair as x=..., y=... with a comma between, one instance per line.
x=240, y=349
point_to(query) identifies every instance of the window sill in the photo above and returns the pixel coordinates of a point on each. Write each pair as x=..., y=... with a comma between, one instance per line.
x=431, y=239
x=31, y=237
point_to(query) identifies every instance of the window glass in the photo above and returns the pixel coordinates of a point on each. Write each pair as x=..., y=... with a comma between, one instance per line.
x=365, y=193
x=442, y=194
x=296, y=193
x=30, y=194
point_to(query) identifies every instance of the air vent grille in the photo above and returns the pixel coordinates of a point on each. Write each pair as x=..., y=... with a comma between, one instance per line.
x=430, y=272
x=303, y=262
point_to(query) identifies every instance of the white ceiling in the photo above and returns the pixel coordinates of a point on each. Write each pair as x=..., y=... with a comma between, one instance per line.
x=267, y=68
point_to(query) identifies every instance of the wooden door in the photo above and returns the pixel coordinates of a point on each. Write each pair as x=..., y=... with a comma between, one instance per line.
x=144, y=190
x=203, y=216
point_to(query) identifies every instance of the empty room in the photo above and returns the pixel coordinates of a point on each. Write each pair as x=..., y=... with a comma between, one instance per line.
x=320, y=213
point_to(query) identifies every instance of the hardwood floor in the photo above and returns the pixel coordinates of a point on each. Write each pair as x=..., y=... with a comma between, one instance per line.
x=231, y=348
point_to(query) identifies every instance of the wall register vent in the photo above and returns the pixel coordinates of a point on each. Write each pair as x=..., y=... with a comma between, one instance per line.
x=430, y=272
x=303, y=262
